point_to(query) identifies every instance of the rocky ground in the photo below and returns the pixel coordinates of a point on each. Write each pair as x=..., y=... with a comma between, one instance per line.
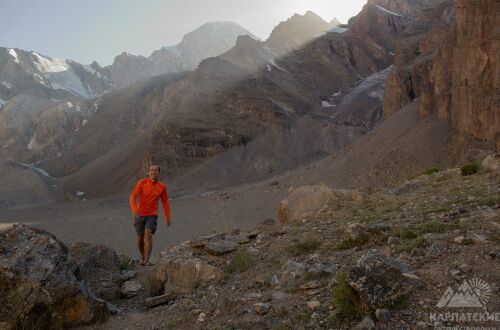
x=375, y=259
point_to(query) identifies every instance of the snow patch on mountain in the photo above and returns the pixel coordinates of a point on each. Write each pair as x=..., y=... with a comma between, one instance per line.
x=13, y=53
x=60, y=75
x=388, y=11
x=2, y=103
x=6, y=84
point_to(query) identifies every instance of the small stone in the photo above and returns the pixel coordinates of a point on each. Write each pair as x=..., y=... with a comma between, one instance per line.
x=252, y=234
x=378, y=227
x=454, y=272
x=394, y=240
x=311, y=285
x=220, y=247
x=202, y=317
x=279, y=295
x=128, y=275
x=131, y=288
x=313, y=304
x=383, y=315
x=159, y=300
x=261, y=308
x=252, y=296
x=459, y=239
x=435, y=250
x=465, y=268
x=366, y=324
x=417, y=252
x=477, y=238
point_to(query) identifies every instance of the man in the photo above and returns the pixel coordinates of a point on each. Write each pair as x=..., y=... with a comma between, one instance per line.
x=148, y=190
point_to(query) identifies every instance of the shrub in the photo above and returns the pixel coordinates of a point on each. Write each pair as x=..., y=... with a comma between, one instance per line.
x=240, y=263
x=471, y=168
x=347, y=304
x=431, y=170
x=304, y=247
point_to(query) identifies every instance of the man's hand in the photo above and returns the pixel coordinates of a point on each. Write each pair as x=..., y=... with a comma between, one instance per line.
x=136, y=216
x=169, y=223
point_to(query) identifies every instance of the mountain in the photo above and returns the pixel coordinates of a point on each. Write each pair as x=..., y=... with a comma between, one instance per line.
x=210, y=39
x=295, y=32
x=43, y=101
x=249, y=111
x=28, y=72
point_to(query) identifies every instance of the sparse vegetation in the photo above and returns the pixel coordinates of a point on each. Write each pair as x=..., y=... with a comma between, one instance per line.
x=406, y=233
x=490, y=201
x=125, y=263
x=303, y=247
x=350, y=243
x=240, y=263
x=431, y=170
x=347, y=304
x=418, y=242
x=471, y=168
x=400, y=303
x=430, y=227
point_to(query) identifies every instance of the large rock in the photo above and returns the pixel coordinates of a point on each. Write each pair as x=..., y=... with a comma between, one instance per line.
x=40, y=286
x=178, y=271
x=491, y=163
x=99, y=267
x=308, y=200
x=379, y=280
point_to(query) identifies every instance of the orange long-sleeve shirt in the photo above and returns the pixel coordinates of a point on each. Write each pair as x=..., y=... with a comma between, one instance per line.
x=149, y=192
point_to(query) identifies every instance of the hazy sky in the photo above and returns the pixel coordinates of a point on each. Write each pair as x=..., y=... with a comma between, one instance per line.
x=99, y=30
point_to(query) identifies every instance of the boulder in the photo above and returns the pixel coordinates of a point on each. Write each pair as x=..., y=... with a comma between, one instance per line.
x=40, y=285
x=99, y=267
x=308, y=200
x=179, y=272
x=491, y=163
x=379, y=280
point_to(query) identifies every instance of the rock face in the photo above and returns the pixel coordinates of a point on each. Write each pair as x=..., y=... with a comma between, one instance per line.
x=450, y=63
x=378, y=279
x=99, y=267
x=41, y=286
x=474, y=106
x=177, y=272
x=308, y=200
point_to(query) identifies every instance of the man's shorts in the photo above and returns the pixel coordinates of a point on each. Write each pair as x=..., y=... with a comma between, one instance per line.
x=148, y=221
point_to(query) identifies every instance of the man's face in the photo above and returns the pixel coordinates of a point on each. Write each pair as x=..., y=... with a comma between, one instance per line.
x=154, y=171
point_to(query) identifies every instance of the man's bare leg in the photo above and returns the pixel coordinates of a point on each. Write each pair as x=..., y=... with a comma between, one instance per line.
x=148, y=245
x=140, y=245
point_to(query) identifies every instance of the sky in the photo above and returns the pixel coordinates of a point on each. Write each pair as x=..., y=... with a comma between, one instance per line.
x=90, y=30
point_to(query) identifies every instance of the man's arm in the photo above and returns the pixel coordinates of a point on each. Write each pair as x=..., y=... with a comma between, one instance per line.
x=133, y=197
x=166, y=207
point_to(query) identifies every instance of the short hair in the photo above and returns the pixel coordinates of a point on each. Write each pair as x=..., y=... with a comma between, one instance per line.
x=154, y=164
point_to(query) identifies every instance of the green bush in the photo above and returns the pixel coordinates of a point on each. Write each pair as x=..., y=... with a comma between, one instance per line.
x=471, y=168
x=347, y=304
x=240, y=263
x=431, y=170
x=304, y=247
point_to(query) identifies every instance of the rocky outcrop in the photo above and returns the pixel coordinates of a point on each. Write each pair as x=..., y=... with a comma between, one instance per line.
x=309, y=200
x=449, y=62
x=380, y=280
x=178, y=272
x=40, y=286
x=99, y=268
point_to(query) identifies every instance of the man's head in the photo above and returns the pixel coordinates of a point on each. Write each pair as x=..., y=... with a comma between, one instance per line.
x=154, y=172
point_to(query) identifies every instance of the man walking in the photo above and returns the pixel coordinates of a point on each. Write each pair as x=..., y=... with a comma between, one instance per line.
x=148, y=190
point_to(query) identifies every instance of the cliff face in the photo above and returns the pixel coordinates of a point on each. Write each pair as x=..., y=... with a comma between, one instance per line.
x=449, y=59
x=475, y=110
